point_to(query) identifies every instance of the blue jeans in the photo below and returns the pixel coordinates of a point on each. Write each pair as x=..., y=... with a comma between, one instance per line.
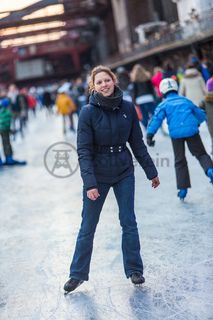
x=124, y=192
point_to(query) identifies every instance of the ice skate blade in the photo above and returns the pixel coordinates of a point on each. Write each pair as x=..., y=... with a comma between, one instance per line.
x=138, y=285
x=21, y=163
x=66, y=292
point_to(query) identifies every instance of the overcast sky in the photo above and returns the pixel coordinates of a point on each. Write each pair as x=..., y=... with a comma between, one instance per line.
x=14, y=4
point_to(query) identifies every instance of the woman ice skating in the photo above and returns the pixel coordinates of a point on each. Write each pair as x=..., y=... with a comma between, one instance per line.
x=143, y=92
x=65, y=106
x=183, y=118
x=192, y=86
x=106, y=124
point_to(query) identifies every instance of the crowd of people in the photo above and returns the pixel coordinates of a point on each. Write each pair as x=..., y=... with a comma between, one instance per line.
x=138, y=85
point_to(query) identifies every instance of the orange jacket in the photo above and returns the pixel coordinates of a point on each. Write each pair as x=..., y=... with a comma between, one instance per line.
x=65, y=105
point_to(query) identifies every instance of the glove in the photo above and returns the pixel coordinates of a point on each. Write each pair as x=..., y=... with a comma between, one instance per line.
x=149, y=140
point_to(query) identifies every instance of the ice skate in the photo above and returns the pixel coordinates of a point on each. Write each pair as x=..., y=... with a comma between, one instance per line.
x=137, y=278
x=12, y=162
x=210, y=174
x=72, y=284
x=182, y=194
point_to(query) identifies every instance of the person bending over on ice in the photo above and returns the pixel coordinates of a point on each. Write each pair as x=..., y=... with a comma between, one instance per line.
x=105, y=125
x=183, y=118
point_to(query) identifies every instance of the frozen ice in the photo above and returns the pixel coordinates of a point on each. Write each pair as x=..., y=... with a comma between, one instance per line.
x=40, y=217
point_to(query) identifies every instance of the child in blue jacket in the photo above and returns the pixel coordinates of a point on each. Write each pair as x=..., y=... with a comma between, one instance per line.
x=183, y=118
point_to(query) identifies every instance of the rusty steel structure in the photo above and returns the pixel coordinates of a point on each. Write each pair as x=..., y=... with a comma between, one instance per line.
x=63, y=57
x=37, y=46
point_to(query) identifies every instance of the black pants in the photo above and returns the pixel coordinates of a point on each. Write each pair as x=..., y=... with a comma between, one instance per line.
x=5, y=135
x=197, y=149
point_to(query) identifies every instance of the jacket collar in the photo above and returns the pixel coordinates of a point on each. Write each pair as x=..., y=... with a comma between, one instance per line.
x=191, y=73
x=107, y=103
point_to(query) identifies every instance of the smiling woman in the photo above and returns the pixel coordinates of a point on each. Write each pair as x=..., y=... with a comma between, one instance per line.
x=105, y=126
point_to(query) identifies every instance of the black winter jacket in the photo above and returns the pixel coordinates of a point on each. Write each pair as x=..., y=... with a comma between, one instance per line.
x=142, y=88
x=100, y=128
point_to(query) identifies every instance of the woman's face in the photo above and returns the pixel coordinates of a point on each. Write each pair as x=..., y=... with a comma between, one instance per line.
x=104, y=84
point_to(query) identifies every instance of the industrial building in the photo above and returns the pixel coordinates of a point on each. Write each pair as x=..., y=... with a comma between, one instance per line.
x=58, y=39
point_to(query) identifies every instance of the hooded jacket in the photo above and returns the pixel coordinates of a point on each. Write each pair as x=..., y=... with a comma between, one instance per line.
x=192, y=86
x=183, y=117
x=110, y=122
x=65, y=104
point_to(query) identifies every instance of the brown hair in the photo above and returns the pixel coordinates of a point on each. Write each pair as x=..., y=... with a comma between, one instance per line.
x=97, y=70
x=139, y=74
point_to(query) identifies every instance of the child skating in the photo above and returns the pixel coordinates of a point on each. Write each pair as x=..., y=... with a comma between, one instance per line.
x=183, y=118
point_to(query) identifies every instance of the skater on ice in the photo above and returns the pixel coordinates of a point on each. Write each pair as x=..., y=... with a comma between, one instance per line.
x=183, y=118
x=65, y=106
x=5, y=124
x=106, y=124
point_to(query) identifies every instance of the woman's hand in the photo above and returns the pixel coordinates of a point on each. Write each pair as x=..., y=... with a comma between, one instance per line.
x=155, y=182
x=93, y=194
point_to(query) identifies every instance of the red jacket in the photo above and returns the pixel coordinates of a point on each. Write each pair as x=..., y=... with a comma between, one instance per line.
x=156, y=79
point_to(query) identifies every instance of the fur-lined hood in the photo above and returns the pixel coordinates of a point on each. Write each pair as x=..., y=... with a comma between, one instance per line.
x=191, y=73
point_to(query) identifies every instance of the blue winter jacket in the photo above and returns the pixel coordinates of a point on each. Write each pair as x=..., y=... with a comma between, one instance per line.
x=99, y=128
x=183, y=117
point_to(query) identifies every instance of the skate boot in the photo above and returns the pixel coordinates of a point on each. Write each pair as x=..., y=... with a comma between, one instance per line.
x=11, y=162
x=182, y=193
x=137, y=278
x=72, y=284
x=210, y=174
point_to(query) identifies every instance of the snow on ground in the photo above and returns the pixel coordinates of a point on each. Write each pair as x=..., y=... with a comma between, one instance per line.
x=40, y=217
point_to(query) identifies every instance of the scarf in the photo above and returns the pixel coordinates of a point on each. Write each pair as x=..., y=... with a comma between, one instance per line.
x=109, y=103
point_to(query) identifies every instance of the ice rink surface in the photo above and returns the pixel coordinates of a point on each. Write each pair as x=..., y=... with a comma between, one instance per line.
x=40, y=217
